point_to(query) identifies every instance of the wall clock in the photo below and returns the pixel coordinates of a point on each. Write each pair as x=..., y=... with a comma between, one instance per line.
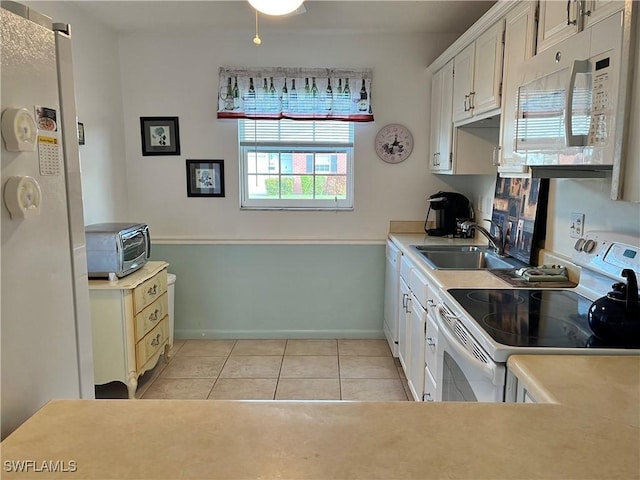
x=394, y=143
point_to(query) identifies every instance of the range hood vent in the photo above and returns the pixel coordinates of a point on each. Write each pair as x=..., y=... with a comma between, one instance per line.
x=571, y=171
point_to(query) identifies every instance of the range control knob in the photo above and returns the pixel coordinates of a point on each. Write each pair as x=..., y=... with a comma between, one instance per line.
x=588, y=246
x=579, y=245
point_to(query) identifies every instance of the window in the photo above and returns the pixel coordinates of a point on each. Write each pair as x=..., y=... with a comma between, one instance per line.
x=288, y=164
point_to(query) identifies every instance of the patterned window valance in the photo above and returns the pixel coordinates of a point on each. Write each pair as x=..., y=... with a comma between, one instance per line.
x=295, y=93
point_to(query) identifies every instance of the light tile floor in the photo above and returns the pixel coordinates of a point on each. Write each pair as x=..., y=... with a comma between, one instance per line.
x=304, y=369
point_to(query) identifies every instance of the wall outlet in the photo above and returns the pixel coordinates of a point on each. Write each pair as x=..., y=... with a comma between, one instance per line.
x=576, y=227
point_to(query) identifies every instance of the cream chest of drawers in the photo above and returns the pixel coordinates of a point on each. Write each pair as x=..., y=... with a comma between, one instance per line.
x=130, y=324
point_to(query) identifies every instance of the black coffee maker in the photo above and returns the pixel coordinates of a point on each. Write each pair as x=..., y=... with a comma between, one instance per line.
x=451, y=209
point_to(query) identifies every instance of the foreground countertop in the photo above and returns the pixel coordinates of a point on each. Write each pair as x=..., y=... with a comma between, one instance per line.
x=353, y=440
x=606, y=387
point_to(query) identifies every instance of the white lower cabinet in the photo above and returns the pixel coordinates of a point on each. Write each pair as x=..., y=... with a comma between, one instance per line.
x=516, y=391
x=415, y=375
x=130, y=325
x=391, y=291
x=404, y=316
x=429, y=386
x=418, y=330
x=415, y=292
x=431, y=344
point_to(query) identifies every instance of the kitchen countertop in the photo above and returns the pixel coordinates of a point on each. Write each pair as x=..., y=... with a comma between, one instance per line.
x=447, y=278
x=591, y=432
x=606, y=387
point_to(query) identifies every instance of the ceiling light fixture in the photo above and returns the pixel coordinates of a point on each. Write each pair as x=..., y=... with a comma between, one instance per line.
x=276, y=7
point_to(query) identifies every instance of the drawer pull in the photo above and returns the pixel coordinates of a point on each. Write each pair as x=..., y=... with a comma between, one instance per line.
x=152, y=291
x=154, y=316
x=156, y=341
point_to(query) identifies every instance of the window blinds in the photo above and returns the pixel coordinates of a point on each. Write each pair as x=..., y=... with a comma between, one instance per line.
x=290, y=132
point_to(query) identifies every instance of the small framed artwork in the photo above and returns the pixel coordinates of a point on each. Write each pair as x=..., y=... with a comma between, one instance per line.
x=205, y=178
x=80, y=133
x=160, y=135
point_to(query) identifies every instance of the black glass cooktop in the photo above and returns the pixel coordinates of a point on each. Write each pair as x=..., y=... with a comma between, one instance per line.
x=531, y=318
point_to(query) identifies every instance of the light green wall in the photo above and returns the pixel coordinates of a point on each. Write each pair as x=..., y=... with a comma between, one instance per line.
x=276, y=291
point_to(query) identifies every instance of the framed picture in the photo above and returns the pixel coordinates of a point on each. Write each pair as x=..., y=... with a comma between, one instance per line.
x=160, y=135
x=80, y=133
x=205, y=178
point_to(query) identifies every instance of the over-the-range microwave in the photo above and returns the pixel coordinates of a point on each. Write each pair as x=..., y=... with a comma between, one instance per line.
x=571, y=101
x=116, y=249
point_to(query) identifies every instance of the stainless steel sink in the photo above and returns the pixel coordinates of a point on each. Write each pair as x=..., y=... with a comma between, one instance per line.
x=469, y=257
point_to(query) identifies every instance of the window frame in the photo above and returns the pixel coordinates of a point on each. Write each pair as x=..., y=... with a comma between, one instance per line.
x=246, y=147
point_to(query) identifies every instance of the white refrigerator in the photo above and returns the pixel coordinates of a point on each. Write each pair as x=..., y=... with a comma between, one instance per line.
x=45, y=325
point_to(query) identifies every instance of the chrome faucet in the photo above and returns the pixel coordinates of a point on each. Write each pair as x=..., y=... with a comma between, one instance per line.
x=496, y=242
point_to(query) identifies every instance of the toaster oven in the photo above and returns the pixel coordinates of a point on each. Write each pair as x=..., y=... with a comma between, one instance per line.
x=116, y=249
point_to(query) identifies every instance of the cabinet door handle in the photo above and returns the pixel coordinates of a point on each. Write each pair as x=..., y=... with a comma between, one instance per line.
x=495, y=156
x=472, y=100
x=466, y=107
x=569, y=21
x=404, y=301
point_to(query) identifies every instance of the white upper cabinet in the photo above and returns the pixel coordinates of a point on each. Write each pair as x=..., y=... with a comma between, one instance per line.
x=478, y=75
x=631, y=173
x=559, y=20
x=519, y=45
x=595, y=10
x=441, y=118
x=463, y=83
x=487, y=70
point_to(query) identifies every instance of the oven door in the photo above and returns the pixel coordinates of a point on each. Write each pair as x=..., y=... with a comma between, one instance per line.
x=466, y=373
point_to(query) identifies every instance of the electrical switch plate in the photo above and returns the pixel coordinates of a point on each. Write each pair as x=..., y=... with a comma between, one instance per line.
x=576, y=227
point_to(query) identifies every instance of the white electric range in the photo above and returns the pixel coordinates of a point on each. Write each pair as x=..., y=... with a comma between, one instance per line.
x=478, y=329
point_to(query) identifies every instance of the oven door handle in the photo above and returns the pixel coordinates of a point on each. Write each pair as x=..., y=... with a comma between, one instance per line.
x=488, y=369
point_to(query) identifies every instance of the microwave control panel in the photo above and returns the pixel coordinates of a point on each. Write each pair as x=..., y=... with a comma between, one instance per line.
x=600, y=98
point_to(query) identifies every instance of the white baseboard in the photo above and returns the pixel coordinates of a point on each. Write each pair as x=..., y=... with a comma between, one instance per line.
x=270, y=334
